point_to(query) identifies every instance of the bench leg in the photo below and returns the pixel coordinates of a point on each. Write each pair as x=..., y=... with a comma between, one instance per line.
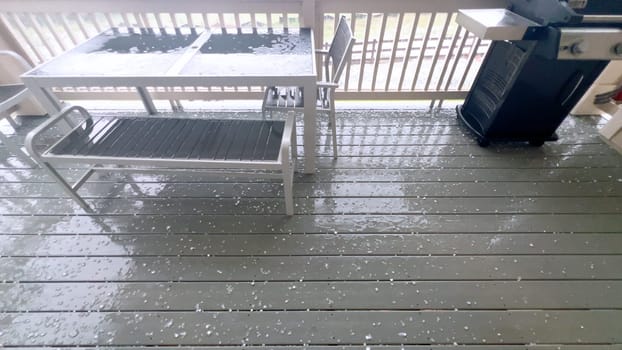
x=288, y=183
x=333, y=125
x=294, y=143
x=67, y=188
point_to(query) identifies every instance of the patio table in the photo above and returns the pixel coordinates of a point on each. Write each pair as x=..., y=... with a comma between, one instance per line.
x=178, y=57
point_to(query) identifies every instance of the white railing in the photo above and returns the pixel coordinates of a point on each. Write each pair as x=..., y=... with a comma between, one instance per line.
x=406, y=49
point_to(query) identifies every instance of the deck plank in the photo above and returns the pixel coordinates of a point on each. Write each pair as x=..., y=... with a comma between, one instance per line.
x=312, y=327
x=561, y=175
x=323, y=206
x=342, y=244
x=294, y=295
x=320, y=190
x=311, y=268
x=415, y=238
x=134, y=222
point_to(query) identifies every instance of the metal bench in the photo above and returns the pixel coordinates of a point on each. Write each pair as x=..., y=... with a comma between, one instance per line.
x=230, y=146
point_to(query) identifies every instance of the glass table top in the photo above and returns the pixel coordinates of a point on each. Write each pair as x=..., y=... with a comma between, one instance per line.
x=248, y=54
x=185, y=52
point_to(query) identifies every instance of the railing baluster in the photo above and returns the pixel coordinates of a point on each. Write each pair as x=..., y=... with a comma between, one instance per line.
x=126, y=20
x=189, y=20
x=364, y=54
x=144, y=20
x=478, y=41
x=221, y=20
x=82, y=26
x=383, y=28
x=173, y=17
x=51, y=29
x=253, y=20
x=458, y=57
x=236, y=17
x=98, y=28
x=44, y=41
x=68, y=30
x=22, y=31
x=424, y=46
x=411, y=40
x=158, y=19
x=396, y=41
x=349, y=63
x=108, y=17
x=147, y=20
x=437, y=52
x=139, y=20
x=448, y=58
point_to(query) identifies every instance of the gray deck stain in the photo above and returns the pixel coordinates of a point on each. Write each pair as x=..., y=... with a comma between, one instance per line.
x=415, y=238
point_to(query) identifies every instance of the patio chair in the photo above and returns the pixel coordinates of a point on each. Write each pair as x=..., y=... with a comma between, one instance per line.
x=333, y=62
x=10, y=96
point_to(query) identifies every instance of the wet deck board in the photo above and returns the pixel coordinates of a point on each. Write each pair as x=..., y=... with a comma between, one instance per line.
x=294, y=295
x=316, y=327
x=325, y=206
x=340, y=244
x=415, y=238
x=140, y=189
x=131, y=223
x=311, y=268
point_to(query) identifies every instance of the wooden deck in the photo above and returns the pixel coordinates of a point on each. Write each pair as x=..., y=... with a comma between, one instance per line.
x=415, y=238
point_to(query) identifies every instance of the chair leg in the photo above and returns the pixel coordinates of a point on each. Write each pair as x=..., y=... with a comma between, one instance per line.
x=333, y=126
x=17, y=150
x=67, y=188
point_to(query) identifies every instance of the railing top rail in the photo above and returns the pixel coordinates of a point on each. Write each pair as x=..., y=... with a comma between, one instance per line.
x=400, y=6
x=200, y=6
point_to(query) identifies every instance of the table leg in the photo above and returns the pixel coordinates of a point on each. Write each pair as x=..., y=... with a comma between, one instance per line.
x=50, y=103
x=46, y=99
x=310, y=125
x=147, y=101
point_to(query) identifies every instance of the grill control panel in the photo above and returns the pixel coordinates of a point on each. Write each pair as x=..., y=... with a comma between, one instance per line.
x=590, y=44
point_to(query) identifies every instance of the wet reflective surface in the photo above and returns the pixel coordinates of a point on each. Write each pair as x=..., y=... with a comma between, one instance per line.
x=415, y=237
x=254, y=54
x=122, y=52
x=126, y=52
x=141, y=40
x=294, y=42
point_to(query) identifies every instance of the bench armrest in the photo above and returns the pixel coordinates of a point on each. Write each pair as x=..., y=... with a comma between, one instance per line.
x=60, y=116
x=321, y=52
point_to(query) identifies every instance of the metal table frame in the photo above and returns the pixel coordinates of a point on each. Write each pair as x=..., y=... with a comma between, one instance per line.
x=41, y=88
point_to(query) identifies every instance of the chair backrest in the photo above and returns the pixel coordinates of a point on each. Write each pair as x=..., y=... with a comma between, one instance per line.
x=339, y=52
x=19, y=59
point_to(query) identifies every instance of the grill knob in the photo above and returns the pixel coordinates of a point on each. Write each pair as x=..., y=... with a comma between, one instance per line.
x=579, y=48
x=617, y=49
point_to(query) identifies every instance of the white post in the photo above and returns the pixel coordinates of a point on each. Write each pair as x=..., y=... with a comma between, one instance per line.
x=308, y=14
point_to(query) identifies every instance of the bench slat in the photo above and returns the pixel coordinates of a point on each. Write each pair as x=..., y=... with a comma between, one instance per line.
x=175, y=138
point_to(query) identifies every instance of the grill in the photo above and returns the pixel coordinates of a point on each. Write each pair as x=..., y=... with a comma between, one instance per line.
x=544, y=56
